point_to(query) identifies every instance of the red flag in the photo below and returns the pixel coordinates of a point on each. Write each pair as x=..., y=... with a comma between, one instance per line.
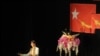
x=96, y=21
x=80, y=17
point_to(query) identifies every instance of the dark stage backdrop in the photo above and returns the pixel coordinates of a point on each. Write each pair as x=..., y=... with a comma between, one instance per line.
x=42, y=21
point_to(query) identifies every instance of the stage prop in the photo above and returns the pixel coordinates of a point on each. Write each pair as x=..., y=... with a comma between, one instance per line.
x=68, y=42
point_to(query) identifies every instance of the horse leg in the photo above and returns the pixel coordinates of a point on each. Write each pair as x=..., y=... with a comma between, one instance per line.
x=66, y=52
x=69, y=52
x=73, y=48
x=65, y=49
x=60, y=52
x=69, y=48
x=76, y=51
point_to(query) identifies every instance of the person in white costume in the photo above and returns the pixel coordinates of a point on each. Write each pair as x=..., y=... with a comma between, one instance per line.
x=34, y=50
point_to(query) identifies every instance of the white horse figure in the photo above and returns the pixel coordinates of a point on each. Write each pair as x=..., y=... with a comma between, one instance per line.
x=67, y=42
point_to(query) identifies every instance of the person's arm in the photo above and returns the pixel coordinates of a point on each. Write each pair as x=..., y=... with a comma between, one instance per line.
x=21, y=54
x=29, y=53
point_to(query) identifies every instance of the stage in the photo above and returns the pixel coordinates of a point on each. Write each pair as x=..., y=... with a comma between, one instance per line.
x=43, y=22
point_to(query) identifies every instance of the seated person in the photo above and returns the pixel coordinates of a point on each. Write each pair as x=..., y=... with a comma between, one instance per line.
x=34, y=51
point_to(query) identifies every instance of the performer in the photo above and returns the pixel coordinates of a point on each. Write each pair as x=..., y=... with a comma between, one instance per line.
x=34, y=50
x=67, y=42
x=71, y=37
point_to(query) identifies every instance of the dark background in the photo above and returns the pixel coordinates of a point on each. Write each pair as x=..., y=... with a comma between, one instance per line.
x=42, y=21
